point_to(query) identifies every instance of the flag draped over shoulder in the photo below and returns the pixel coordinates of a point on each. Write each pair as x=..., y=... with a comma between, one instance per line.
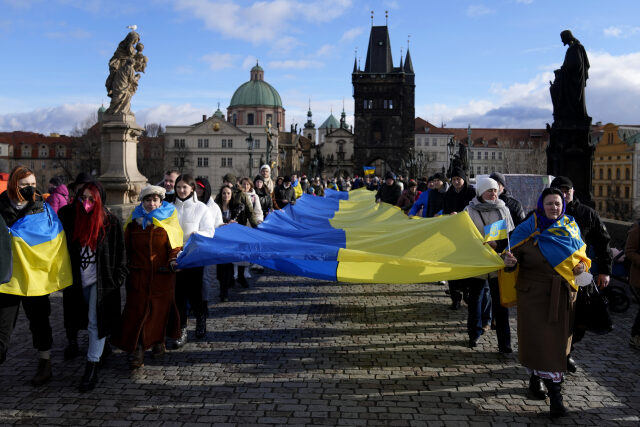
x=41, y=263
x=347, y=237
x=560, y=244
x=165, y=217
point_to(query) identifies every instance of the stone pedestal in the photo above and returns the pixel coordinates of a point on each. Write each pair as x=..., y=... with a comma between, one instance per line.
x=119, y=170
x=570, y=154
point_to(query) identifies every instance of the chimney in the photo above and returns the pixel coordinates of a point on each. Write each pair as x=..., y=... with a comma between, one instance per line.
x=204, y=117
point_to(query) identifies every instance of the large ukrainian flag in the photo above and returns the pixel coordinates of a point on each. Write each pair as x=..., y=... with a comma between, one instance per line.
x=41, y=263
x=347, y=237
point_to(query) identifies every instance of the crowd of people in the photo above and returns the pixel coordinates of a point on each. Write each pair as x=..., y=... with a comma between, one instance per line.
x=141, y=254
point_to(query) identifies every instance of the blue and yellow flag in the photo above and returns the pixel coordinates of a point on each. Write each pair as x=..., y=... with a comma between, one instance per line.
x=41, y=263
x=560, y=244
x=347, y=237
x=369, y=170
x=165, y=217
x=496, y=231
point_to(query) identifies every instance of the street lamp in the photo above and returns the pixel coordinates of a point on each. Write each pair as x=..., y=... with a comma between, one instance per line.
x=451, y=146
x=250, y=148
x=420, y=163
x=270, y=135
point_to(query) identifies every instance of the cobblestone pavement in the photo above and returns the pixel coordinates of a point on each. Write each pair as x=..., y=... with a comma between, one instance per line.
x=303, y=352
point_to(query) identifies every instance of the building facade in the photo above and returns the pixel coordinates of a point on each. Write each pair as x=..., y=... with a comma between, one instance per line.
x=384, y=106
x=615, y=187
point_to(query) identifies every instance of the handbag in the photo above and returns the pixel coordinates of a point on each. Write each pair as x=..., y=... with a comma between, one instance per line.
x=592, y=311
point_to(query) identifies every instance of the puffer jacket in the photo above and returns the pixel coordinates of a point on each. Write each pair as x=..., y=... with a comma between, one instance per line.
x=194, y=217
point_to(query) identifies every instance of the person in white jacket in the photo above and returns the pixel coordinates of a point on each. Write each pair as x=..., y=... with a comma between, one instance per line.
x=194, y=217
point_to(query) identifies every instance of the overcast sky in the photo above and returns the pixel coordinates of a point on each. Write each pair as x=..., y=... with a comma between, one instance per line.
x=483, y=63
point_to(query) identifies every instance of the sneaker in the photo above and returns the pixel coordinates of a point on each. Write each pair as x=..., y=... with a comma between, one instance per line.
x=635, y=341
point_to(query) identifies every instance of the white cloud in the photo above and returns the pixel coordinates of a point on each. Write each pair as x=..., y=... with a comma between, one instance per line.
x=220, y=61
x=325, y=50
x=351, y=34
x=612, y=92
x=298, y=64
x=392, y=4
x=478, y=10
x=622, y=31
x=60, y=119
x=524, y=1
x=262, y=21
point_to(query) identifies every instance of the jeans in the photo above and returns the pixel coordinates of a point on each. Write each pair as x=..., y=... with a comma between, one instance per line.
x=96, y=345
x=477, y=314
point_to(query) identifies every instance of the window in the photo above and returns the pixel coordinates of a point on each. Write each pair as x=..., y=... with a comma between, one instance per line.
x=256, y=144
x=229, y=143
x=617, y=173
x=601, y=173
x=626, y=192
x=486, y=170
x=479, y=169
x=44, y=151
x=26, y=151
x=601, y=192
x=206, y=143
x=205, y=162
x=224, y=143
x=199, y=162
x=419, y=143
x=500, y=155
x=229, y=162
x=388, y=104
x=608, y=173
x=493, y=155
x=178, y=143
x=60, y=151
x=44, y=165
x=486, y=155
x=627, y=173
x=368, y=104
x=250, y=118
x=200, y=143
x=434, y=142
x=223, y=162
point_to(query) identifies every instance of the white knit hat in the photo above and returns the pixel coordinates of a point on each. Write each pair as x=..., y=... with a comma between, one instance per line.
x=152, y=189
x=485, y=184
x=265, y=167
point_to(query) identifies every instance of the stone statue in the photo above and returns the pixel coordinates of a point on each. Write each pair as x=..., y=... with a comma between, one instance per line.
x=122, y=82
x=567, y=90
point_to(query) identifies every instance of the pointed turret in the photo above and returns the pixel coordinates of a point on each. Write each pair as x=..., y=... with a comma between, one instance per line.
x=408, y=65
x=379, y=59
x=355, y=65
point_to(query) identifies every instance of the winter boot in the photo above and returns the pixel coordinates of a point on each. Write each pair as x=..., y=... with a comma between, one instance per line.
x=43, y=374
x=557, y=408
x=90, y=377
x=536, y=388
x=71, y=351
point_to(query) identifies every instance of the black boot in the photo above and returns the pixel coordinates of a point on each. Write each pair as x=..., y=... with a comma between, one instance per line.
x=71, y=351
x=90, y=377
x=557, y=408
x=241, y=279
x=106, y=352
x=180, y=342
x=536, y=388
x=201, y=326
x=571, y=364
x=43, y=374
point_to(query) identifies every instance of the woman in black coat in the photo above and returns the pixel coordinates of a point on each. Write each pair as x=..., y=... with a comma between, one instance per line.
x=96, y=246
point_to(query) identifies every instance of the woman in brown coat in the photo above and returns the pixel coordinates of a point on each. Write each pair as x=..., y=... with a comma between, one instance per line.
x=549, y=253
x=632, y=252
x=153, y=238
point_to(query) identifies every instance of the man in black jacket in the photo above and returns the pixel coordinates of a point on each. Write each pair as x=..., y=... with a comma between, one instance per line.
x=390, y=191
x=595, y=235
x=284, y=194
x=514, y=206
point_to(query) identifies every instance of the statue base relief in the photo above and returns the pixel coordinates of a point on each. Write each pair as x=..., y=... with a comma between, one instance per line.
x=119, y=175
x=570, y=154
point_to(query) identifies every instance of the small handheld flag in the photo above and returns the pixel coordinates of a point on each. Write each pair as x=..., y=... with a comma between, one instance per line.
x=496, y=231
x=369, y=170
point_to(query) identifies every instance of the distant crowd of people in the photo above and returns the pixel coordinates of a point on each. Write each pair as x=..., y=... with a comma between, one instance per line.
x=141, y=254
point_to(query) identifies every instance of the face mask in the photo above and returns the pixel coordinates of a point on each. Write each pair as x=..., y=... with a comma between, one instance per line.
x=88, y=205
x=27, y=192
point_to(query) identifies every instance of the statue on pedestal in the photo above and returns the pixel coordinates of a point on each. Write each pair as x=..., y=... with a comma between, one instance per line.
x=567, y=90
x=122, y=82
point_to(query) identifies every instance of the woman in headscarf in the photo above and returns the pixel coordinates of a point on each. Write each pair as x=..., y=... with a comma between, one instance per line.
x=195, y=218
x=96, y=245
x=485, y=209
x=153, y=238
x=549, y=253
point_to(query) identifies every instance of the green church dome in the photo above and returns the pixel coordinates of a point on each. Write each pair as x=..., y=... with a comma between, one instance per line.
x=256, y=92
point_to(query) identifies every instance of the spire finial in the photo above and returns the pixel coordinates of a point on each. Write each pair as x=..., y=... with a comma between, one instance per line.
x=218, y=105
x=386, y=17
x=343, y=104
x=408, y=41
x=372, y=18
x=309, y=103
